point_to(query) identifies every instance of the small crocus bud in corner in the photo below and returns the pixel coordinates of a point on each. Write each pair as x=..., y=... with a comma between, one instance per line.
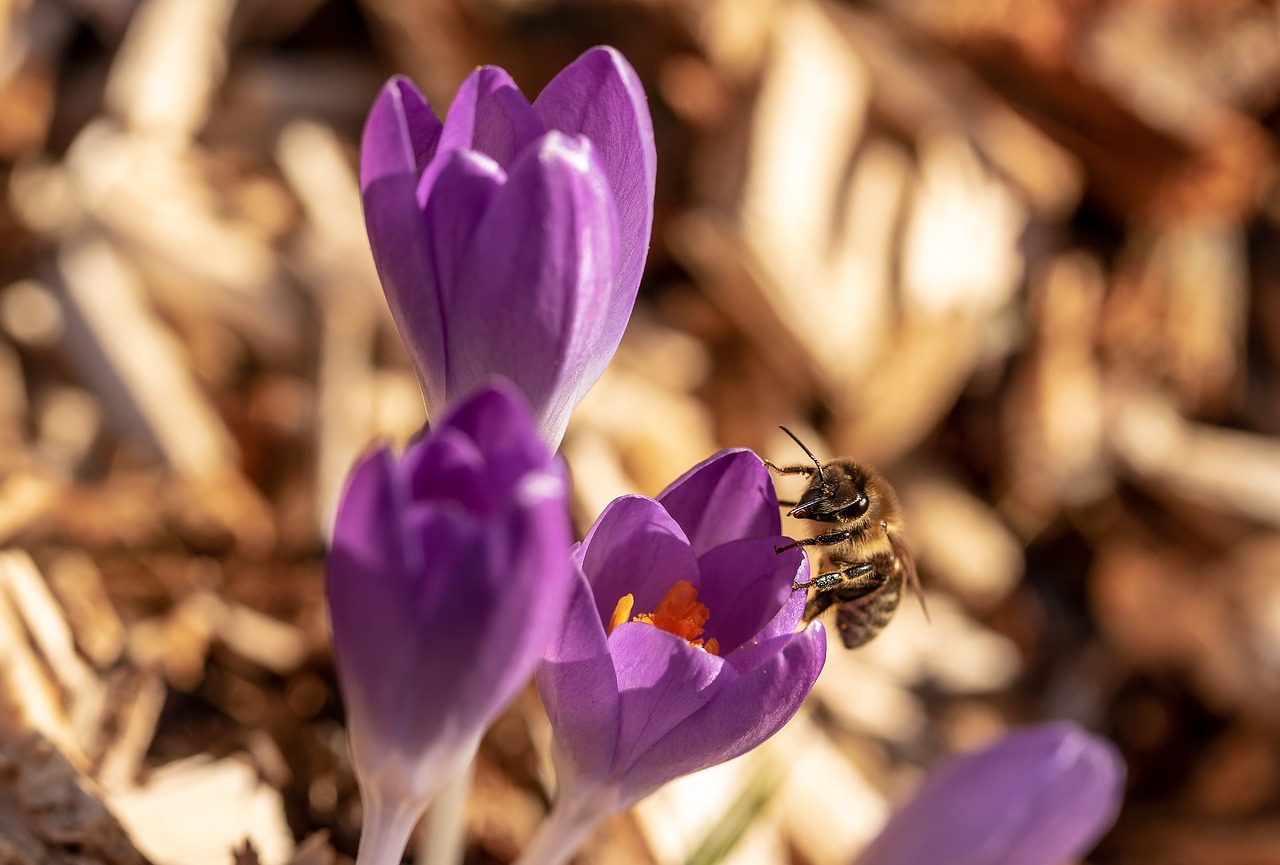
x=1039, y=796
x=448, y=571
x=680, y=647
x=511, y=238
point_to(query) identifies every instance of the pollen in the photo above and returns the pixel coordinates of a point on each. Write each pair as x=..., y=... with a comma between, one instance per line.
x=679, y=612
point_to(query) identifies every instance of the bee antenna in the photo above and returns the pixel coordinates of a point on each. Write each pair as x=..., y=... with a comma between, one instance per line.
x=821, y=476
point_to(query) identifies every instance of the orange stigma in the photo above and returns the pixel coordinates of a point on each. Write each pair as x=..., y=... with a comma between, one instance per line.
x=679, y=612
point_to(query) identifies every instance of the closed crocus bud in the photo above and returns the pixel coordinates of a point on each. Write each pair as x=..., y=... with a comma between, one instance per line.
x=448, y=570
x=679, y=649
x=1040, y=796
x=511, y=238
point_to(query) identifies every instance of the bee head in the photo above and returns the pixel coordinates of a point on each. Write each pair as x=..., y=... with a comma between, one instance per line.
x=837, y=494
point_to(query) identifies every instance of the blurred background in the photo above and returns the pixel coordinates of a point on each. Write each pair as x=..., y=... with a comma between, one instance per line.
x=1021, y=255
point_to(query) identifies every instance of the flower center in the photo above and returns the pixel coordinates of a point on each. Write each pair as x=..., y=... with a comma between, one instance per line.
x=679, y=612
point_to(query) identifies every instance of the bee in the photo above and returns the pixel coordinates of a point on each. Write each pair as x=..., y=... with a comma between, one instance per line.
x=863, y=560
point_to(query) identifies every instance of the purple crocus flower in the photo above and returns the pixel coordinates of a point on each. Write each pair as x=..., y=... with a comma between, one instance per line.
x=1039, y=796
x=511, y=238
x=679, y=649
x=448, y=571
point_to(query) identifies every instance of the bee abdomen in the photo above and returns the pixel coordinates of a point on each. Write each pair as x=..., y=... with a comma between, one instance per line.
x=862, y=619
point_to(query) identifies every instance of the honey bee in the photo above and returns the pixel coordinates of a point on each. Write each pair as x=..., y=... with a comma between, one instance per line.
x=864, y=560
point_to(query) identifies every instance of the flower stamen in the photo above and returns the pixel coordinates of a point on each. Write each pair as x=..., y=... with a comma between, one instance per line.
x=622, y=612
x=679, y=612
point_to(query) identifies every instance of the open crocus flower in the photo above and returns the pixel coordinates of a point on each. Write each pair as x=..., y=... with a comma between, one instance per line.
x=679, y=649
x=448, y=572
x=1040, y=796
x=511, y=238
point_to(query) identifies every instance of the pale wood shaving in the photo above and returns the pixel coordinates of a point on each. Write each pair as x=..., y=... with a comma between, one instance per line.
x=195, y=812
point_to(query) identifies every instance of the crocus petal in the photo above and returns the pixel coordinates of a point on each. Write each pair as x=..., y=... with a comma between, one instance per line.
x=365, y=527
x=448, y=466
x=441, y=599
x=600, y=96
x=494, y=420
x=378, y=612
x=454, y=195
x=1039, y=796
x=674, y=706
x=400, y=136
x=535, y=286
x=490, y=115
x=729, y=495
x=509, y=259
x=763, y=647
x=635, y=548
x=579, y=687
x=429, y=636
x=662, y=680
x=492, y=600
x=744, y=582
x=367, y=556
x=745, y=713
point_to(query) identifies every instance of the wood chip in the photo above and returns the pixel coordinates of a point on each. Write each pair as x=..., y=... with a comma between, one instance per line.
x=337, y=258
x=29, y=695
x=120, y=346
x=197, y=811
x=1227, y=470
x=77, y=583
x=164, y=76
x=959, y=541
x=83, y=692
x=46, y=814
x=24, y=499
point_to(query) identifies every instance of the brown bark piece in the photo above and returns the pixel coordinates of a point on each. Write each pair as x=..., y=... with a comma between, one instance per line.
x=47, y=817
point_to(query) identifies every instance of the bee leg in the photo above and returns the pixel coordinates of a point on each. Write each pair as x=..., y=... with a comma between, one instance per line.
x=820, y=540
x=807, y=471
x=818, y=605
x=852, y=576
x=866, y=580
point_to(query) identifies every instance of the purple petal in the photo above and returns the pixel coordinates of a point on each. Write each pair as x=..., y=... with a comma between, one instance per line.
x=400, y=136
x=788, y=618
x=401, y=133
x=772, y=638
x=529, y=299
x=728, y=495
x=447, y=466
x=743, y=714
x=365, y=528
x=1039, y=796
x=506, y=605
x=491, y=115
x=600, y=96
x=454, y=194
x=383, y=616
x=477, y=453
x=498, y=421
x=744, y=583
x=440, y=610
x=579, y=687
x=635, y=548
x=662, y=680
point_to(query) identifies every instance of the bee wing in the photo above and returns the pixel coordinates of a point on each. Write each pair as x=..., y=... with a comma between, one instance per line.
x=908, y=567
